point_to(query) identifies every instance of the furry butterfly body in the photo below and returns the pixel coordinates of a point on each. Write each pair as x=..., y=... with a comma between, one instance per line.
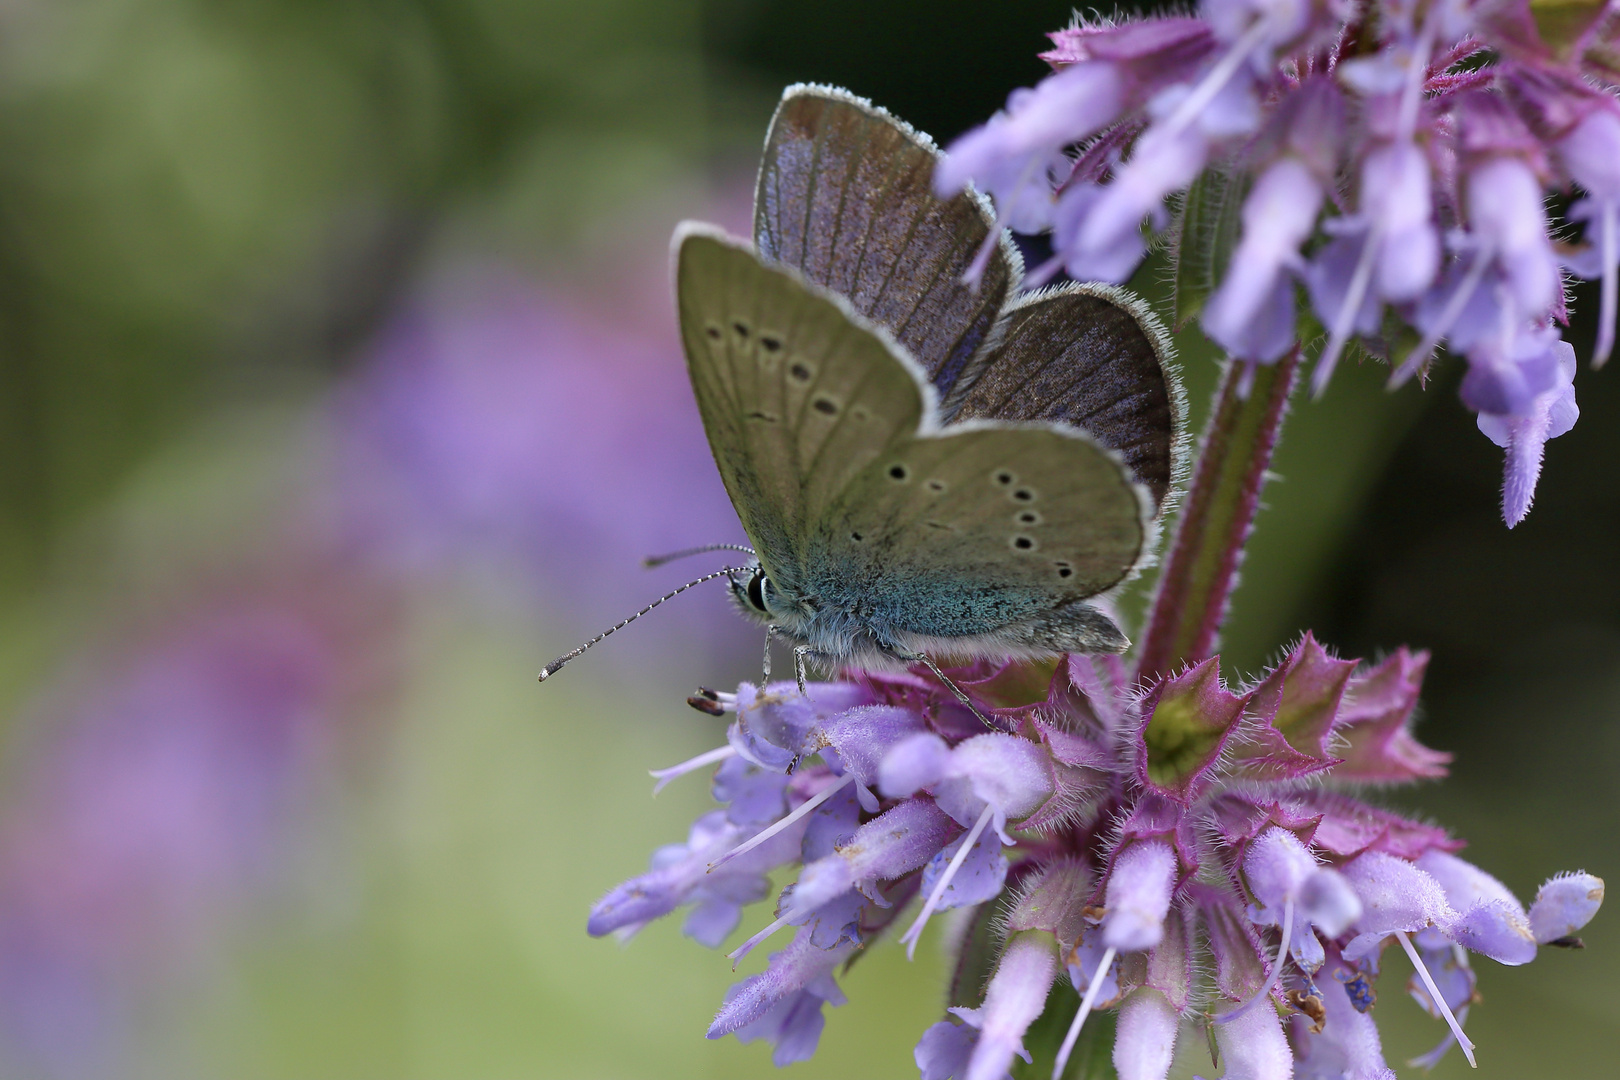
x=924, y=471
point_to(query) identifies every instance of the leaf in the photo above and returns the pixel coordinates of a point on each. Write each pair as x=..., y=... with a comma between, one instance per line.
x=1205, y=232
x=1093, y=1054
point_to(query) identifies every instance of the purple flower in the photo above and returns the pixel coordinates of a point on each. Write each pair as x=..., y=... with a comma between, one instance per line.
x=1591, y=154
x=1015, y=997
x=1208, y=812
x=165, y=788
x=1450, y=131
x=1524, y=399
x=1252, y=314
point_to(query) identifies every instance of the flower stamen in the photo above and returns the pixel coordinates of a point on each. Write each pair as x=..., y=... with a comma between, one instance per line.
x=911, y=936
x=1353, y=298
x=1086, y=1003
x=1419, y=356
x=736, y=955
x=1276, y=967
x=1609, y=241
x=1437, y=997
x=803, y=808
x=708, y=757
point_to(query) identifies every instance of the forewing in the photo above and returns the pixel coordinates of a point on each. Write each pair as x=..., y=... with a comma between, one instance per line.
x=979, y=527
x=1095, y=357
x=845, y=198
x=797, y=395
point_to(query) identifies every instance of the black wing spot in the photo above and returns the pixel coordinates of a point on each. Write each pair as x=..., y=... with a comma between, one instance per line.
x=741, y=328
x=1023, y=495
x=857, y=537
x=825, y=405
x=763, y=416
x=713, y=331
x=899, y=472
x=801, y=371
x=860, y=412
x=1027, y=517
x=1003, y=477
x=1023, y=543
x=1064, y=570
x=940, y=525
x=936, y=486
x=770, y=343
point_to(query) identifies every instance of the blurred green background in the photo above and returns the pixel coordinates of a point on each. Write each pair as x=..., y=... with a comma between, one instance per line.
x=339, y=390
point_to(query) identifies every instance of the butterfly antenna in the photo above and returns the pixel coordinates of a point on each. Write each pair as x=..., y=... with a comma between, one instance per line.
x=659, y=560
x=556, y=665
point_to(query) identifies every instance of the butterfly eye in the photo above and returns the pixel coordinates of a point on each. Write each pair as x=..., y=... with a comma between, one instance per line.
x=756, y=590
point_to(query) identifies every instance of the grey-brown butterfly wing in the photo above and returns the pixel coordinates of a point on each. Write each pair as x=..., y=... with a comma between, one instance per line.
x=1095, y=357
x=797, y=395
x=983, y=538
x=845, y=197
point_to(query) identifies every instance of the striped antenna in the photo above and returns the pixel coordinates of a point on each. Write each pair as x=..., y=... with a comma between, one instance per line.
x=556, y=665
x=659, y=560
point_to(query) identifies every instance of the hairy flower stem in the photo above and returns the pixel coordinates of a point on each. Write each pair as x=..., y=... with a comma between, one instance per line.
x=1216, y=517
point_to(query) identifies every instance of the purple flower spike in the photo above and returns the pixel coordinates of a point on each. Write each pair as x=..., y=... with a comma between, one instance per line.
x=1252, y=313
x=1254, y=1047
x=783, y=1002
x=1535, y=362
x=886, y=847
x=1395, y=896
x=680, y=875
x=1145, y=1038
x=945, y=1049
x=1138, y=896
x=1295, y=895
x=1564, y=905
x=1492, y=921
x=1015, y=997
x=1591, y=153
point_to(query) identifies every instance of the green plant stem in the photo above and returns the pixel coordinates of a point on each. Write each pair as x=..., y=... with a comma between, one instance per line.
x=1216, y=518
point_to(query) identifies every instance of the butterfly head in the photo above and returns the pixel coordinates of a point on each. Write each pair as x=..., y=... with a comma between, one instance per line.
x=754, y=593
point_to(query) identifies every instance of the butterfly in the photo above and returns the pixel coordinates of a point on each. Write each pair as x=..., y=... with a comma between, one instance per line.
x=926, y=470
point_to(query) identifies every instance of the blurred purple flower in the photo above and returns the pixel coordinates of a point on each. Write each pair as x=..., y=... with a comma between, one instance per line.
x=163, y=792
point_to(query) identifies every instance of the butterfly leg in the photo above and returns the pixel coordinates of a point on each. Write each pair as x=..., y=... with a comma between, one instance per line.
x=765, y=669
x=799, y=654
x=961, y=695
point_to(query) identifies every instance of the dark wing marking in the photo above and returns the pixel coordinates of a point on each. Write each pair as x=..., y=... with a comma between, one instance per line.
x=798, y=395
x=980, y=526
